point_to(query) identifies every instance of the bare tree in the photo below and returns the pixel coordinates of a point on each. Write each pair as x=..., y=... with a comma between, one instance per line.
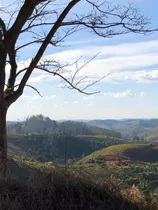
x=47, y=23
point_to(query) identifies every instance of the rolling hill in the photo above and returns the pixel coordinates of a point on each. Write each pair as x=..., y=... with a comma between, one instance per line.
x=42, y=124
x=151, y=135
x=128, y=128
x=133, y=152
x=50, y=147
x=11, y=122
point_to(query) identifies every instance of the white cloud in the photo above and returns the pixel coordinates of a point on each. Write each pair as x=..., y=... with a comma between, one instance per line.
x=115, y=50
x=101, y=67
x=144, y=76
x=85, y=98
x=44, y=97
x=120, y=60
x=142, y=94
x=57, y=106
x=25, y=96
x=39, y=78
x=91, y=103
x=37, y=97
x=147, y=75
x=50, y=97
x=76, y=102
x=127, y=93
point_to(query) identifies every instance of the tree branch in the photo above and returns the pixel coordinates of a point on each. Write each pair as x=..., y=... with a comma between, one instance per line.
x=71, y=85
x=46, y=43
x=108, y=22
x=35, y=89
x=2, y=27
x=24, y=13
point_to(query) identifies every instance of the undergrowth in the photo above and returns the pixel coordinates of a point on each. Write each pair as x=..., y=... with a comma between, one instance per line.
x=61, y=189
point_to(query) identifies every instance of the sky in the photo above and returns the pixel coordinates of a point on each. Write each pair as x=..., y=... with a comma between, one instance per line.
x=129, y=91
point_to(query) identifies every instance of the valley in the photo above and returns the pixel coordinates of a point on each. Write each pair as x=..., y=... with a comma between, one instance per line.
x=98, y=152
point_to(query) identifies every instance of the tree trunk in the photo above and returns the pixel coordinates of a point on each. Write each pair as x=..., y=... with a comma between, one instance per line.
x=3, y=140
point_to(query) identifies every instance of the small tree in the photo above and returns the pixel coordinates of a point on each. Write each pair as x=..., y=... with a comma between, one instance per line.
x=83, y=155
x=70, y=162
x=56, y=23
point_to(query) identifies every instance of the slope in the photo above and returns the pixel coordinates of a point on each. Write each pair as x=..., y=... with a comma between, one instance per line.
x=134, y=152
x=128, y=128
x=51, y=147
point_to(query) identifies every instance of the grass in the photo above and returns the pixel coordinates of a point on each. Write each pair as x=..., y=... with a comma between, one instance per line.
x=33, y=185
x=99, y=137
x=123, y=150
x=151, y=134
x=64, y=189
x=143, y=175
x=21, y=168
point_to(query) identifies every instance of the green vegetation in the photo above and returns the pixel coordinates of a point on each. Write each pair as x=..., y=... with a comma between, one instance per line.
x=44, y=140
x=68, y=189
x=41, y=124
x=141, y=174
x=151, y=135
x=50, y=147
x=135, y=152
x=129, y=128
x=87, y=157
x=20, y=168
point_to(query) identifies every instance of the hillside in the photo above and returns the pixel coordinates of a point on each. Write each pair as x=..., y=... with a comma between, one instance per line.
x=58, y=147
x=65, y=189
x=134, y=152
x=144, y=175
x=128, y=128
x=151, y=135
x=11, y=122
x=42, y=124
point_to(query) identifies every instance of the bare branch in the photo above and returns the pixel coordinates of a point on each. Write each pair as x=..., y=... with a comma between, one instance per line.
x=46, y=43
x=71, y=86
x=104, y=20
x=23, y=15
x=123, y=20
x=84, y=65
x=19, y=72
x=29, y=43
x=35, y=89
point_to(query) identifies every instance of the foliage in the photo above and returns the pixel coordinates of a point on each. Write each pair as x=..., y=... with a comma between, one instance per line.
x=135, y=152
x=57, y=146
x=129, y=128
x=42, y=124
x=60, y=189
x=143, y=175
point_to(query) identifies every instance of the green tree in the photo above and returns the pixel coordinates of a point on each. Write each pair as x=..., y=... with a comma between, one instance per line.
x=70, y=162
x=83, y=155
x=46, y=24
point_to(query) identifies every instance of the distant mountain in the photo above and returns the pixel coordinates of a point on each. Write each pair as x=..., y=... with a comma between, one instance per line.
x=42, y=124
x=128, y=128
x=151, y=134
x=11, y=122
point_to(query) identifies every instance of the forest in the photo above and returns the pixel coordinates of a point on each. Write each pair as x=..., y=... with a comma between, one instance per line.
x=80, y=147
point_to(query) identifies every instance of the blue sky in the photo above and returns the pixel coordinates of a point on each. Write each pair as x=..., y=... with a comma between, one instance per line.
x=130, y=91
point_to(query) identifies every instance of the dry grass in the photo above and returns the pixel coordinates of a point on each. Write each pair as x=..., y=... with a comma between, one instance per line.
x=117, y=151
x=65, y=190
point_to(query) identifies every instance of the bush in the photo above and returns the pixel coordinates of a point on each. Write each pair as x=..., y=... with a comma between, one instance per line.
x=65, y=190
